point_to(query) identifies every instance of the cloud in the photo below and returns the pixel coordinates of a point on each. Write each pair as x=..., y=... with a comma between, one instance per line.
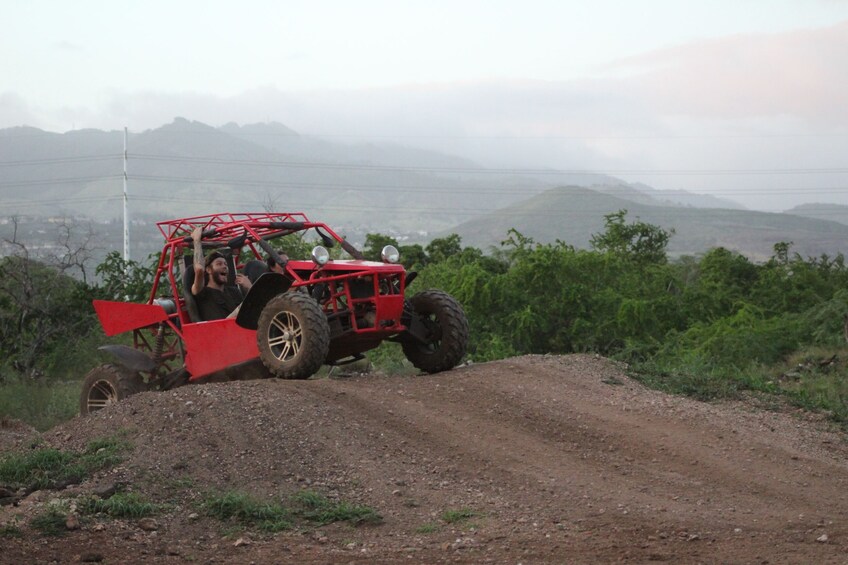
x=800, y=73
x=65, y=45
x=765, y=101
x=14, y=111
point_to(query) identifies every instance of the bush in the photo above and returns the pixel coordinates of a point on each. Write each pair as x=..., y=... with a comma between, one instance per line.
x=41, y=404
x=737, y=340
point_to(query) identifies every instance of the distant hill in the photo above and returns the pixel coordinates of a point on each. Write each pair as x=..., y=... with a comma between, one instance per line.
x=830, y=212
x=288, y=142
x=188, y=168
x=686, y=198
x=573, y=214
x=644, y=194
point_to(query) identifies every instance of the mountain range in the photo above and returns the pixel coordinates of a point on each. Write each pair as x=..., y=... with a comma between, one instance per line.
x=187, y=168
x=572, y=214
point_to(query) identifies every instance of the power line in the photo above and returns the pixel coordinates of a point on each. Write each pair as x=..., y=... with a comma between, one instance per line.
x=53, y=202
x=61, y=160
x=397, y=168
x=331, y=186
x=471, y=190
x=467, y=212
x=548, y=137
x=486, y=170
x=498, y=212
x=46, y=182
x=452, y=136
x=41, y=133
x=438, y=189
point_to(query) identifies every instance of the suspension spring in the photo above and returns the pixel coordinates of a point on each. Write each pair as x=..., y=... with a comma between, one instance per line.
x=159, y=346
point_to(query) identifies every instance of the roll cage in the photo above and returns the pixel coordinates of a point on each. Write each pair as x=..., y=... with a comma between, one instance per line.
x=236, y=232
x=363, y=300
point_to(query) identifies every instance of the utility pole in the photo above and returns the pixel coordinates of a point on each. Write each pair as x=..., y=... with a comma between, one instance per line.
x=126, y=206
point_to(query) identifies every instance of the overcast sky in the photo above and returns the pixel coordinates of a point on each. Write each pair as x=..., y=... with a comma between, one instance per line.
x=736, y=98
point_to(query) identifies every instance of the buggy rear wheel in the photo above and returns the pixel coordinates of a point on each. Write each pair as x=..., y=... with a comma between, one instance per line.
x=445, y=330
x=106, y=385
x=293, y=336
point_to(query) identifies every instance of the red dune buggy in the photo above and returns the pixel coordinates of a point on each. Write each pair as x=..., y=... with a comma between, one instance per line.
x=316, y=311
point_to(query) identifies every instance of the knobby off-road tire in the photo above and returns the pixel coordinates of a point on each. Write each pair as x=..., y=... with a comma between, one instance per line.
x=108, y=384
x=448, y=332
x=293, y=336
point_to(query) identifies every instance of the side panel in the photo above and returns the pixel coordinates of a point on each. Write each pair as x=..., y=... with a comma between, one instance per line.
x=389, y=308
x=120, y=317
x=215, y=345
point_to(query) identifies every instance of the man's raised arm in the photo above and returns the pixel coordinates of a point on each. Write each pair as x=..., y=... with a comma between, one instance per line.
x=199, y=263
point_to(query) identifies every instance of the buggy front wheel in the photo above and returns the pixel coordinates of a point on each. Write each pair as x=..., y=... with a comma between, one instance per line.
x=293, y=336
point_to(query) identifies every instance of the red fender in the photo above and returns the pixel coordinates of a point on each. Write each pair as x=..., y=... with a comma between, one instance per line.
x=120, y=317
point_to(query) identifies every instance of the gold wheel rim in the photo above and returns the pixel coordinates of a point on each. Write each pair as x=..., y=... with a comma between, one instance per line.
x=101, y=395
x=285, y=336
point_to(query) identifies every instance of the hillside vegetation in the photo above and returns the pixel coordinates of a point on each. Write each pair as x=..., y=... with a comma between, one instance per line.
x=713, y=326
x=573, y=213
x=829, y=212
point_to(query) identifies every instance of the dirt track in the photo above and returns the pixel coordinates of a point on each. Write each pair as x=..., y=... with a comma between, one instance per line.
x=561, y=459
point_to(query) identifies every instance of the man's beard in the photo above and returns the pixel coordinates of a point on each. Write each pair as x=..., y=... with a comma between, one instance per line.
x=220, y=278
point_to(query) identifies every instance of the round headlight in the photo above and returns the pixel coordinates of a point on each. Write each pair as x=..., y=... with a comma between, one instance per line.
x=320, y=255
x=390, y=254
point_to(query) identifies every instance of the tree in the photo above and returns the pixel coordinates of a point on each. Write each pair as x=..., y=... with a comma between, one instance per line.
x=639, y=241
x=43, y=310
x=75, y=248
x=441, y=248
x=413, y=256
x=374, y=244
x=789, y=283
x=125, y=280
x=722, y=286
x=295, y=246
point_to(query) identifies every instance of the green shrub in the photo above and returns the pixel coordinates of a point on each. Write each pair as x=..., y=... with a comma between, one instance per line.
x=10, y=531
x=245, y=510
x=699, y=378
x=51, y=468
x=41, y=404
x=316, y=508
x=50, y=522
x=305, y=506
x=40, y=469
x=815, y=378
x=455, y=516
x=104, y=452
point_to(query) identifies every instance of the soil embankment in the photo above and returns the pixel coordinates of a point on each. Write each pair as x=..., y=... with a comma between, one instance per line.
x=557, y=458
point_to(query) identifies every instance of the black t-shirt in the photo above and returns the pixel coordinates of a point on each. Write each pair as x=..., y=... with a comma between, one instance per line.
x=213, y=304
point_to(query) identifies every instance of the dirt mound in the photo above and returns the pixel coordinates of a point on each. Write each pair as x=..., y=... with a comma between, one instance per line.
x=533, y=459
x=14, y=434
